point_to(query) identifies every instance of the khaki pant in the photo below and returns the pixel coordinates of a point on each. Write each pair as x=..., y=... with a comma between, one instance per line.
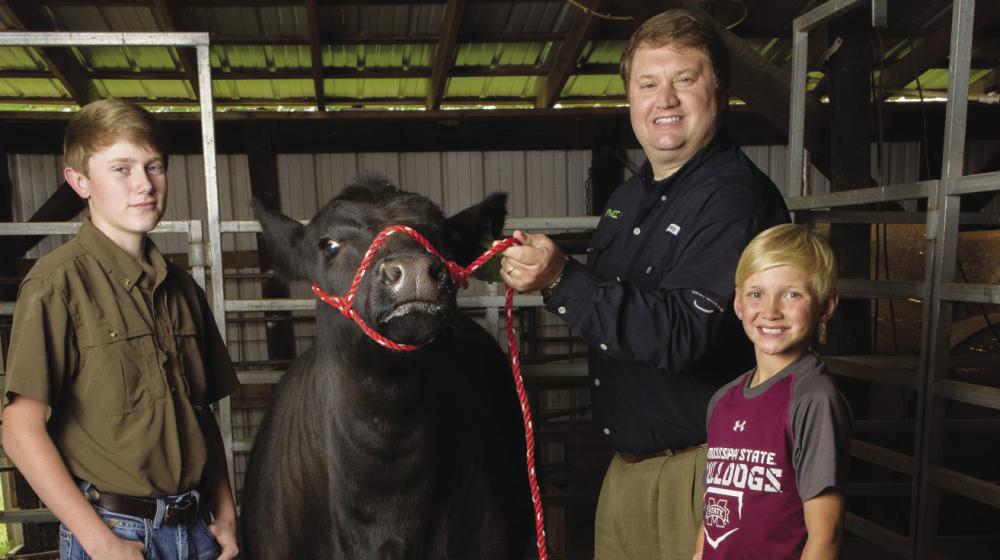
x=650, y=510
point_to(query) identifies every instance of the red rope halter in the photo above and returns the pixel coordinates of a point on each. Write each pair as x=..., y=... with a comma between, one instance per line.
x=345, y=304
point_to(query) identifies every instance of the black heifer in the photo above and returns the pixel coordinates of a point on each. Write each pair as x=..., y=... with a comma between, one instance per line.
x=371, y=453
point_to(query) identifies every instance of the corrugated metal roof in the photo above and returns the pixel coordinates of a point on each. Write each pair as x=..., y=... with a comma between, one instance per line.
x=600, y=85
x=520, y=17
x=20, y=58
x=260, y=57
x=937, y=78
x=261, y=89
x=96, y=18
x=604, y=52
x=32, y=87
x=379, y=56
x=510, y=46
x=504, y=54
x=493, y=86
x=134, y=59
x=144, y=89
x=378, y=88
x=382, y=20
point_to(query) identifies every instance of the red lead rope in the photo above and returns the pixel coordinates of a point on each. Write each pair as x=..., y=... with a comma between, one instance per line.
x=345, y=304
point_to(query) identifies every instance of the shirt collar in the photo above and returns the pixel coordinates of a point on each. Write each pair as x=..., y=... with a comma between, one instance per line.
x=115, y=261
x=719, y=142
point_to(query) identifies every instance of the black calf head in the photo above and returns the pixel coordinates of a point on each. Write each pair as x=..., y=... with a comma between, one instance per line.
x=406, y=294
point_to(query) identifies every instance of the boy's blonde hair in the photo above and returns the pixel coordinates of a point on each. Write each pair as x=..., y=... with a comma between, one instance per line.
x=101, y=123
x=791, y=245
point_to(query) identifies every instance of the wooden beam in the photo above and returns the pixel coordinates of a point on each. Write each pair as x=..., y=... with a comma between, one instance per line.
x=444, y=56
x=63, y=205
x=167, y=12
x=316, y=53
x=581, y=27
x=264, y=186
x=607, y=163
x=849, y=331
x=60, y=61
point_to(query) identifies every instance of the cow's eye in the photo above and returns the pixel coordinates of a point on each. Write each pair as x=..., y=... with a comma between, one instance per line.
x=330, y=246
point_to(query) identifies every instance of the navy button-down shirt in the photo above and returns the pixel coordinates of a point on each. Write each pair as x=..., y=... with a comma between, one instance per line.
x=654, y=302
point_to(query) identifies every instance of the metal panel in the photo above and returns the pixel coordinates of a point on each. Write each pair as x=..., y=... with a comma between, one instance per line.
x=72, y=39
x=882, y=457
x=942, y=234
x=979, y=395
x=863, y=289
x=984, y=182
x=973, y=293
x=797, y=112
x=875, y=533
x=973, y=488
x=889, y=193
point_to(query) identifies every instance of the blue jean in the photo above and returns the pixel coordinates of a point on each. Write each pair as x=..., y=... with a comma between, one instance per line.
x=191, y=541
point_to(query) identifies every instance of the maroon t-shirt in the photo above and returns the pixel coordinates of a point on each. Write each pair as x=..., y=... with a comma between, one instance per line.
x=770, y=448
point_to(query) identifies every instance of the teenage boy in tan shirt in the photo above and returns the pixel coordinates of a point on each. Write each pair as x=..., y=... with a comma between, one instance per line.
x=114, y=361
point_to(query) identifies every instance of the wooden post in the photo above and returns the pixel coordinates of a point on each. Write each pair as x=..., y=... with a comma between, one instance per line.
x=264, y=186
x=607, y=164
x=849, y=333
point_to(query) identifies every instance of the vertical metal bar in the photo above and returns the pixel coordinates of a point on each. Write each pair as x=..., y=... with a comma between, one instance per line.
x=493, y=314
x=196, y=252
x=880, y=16
x=214, y=233
x=942, y=240
x=797, y=112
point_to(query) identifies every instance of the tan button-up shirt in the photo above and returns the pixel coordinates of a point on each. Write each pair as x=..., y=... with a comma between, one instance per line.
x=128, y=366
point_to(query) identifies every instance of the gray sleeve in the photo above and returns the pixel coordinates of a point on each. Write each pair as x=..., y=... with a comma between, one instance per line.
x=718, y=396
x=821, y=434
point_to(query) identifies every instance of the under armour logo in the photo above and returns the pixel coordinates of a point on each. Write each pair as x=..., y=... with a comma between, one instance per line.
x=739, y=425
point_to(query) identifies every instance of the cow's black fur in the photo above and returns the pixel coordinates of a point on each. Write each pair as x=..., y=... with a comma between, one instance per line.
x=368, y=453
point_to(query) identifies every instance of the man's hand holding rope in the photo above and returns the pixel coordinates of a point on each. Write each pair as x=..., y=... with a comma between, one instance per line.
x=534, y=264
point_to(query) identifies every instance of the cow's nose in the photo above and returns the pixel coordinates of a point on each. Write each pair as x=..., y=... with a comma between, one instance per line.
x=413, y=277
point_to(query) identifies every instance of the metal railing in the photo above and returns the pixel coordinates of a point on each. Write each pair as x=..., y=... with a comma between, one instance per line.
x=925, y=375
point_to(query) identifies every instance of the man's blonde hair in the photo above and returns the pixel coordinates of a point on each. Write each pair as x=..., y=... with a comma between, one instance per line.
x=101, y=123
x=791, y=245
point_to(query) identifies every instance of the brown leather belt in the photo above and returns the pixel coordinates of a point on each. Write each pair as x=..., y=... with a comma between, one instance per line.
x=182, y=510
x=671, y=452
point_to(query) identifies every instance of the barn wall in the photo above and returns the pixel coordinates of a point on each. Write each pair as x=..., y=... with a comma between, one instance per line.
x=539, y=183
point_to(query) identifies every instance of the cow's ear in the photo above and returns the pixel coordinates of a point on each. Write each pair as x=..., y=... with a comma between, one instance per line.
x=284, y=241
x=468, y=232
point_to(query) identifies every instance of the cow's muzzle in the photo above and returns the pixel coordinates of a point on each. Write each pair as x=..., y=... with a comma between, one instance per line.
x=413, y=278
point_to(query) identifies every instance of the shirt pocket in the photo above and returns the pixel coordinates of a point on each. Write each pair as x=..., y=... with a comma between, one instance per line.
x=192, y=366
x=119, y=374
x=659, y=256
x=601, y=239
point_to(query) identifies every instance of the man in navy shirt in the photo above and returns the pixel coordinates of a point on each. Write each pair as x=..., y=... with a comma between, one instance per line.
x=654, y=300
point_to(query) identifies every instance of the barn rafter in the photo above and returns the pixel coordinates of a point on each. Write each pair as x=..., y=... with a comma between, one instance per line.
x=445, y=52
x=64, y=67
x=375, y=55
